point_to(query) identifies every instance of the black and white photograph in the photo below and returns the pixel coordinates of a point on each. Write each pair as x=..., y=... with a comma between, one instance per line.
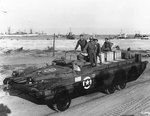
x=74, y=58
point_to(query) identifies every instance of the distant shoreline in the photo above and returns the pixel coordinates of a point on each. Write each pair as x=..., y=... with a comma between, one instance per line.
x=58, y=37
x=50, y=37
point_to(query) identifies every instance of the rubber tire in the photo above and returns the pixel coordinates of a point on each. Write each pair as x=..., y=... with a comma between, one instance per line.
x=110, y=90
x=6, y=81
x=63, y=101
x=121, y=86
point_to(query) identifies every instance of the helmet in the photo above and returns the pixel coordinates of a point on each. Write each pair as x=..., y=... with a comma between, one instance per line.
x=91, y=38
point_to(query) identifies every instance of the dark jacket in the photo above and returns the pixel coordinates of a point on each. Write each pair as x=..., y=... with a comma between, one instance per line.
x=107, y=46
x=82, y=44
x=90, y=47
x=98, y=49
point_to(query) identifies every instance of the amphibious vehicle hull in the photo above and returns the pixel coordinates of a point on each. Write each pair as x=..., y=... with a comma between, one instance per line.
x=56, y=83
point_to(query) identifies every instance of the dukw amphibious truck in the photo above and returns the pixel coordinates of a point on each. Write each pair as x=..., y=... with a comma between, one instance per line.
x=57, y=82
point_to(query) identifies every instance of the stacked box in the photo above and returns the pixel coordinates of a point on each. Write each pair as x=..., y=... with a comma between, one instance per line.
x=127, y=55
x=117, y=54
x=101, y=58
x=109, y=56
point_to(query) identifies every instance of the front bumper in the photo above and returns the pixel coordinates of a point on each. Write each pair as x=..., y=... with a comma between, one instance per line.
x=29, y=89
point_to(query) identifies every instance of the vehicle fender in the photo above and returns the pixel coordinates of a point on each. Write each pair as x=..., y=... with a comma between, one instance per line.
x=59, y=90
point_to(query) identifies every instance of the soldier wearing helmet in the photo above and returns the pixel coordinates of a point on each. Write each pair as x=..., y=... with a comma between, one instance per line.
x=91, y=49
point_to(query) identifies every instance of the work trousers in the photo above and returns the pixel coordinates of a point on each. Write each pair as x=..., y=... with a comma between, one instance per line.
x=92, y=57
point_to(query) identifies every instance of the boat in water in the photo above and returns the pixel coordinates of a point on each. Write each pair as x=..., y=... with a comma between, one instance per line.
x=70, y=35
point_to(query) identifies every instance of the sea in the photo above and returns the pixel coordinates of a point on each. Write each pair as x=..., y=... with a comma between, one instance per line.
x=43, y=43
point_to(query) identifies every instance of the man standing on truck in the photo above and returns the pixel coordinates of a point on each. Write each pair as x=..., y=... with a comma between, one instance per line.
x=107, y=45
x=91, y=49
x=98, y=50
x=98, y=47
x=82, y=42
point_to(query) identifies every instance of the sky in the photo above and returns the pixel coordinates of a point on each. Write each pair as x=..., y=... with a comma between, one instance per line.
x=82, y=16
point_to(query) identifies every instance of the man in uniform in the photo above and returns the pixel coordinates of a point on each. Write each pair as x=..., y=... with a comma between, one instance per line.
x=107, y=46
x=98, y=47
x=91, y=49
x=98, y=50
x=82, y=42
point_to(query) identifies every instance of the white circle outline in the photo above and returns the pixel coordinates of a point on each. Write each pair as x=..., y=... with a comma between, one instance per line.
x=84, y=80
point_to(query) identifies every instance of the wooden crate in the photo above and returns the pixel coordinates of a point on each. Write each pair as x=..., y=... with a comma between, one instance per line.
x=109, y=56
x=101, y=58
x=117, y=54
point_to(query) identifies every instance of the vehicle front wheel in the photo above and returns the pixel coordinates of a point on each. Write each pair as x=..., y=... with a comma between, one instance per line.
x=63, y=101
x=6, y=81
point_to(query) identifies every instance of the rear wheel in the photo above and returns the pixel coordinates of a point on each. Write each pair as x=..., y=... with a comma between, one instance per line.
x=110, y=90
x=63, y=101
x=121, y=86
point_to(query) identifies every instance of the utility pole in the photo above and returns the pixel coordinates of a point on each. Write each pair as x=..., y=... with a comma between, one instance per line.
x=9, y=30
x=54, y=45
